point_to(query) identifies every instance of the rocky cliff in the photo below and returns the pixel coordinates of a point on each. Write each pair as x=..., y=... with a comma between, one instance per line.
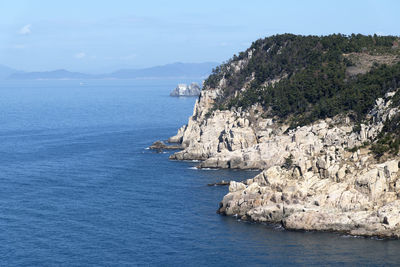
x=316, y=174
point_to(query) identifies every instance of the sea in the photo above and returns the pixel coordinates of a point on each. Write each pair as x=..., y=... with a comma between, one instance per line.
x=78, y=187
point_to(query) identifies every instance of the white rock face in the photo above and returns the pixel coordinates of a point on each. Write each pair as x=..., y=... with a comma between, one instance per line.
x=365, y=204
x=309, y=180
x=184, y=90
x=244, y=140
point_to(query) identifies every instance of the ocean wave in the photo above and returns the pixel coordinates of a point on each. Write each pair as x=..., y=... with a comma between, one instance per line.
x=193, y=168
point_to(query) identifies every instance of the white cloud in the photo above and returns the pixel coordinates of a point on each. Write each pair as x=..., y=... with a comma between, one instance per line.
x=25, y=30
x=80, y=55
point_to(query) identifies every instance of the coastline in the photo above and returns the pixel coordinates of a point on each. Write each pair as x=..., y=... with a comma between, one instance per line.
x=326, y=187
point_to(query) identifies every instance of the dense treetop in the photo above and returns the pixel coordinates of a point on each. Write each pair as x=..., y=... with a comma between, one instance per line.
x=312, y=74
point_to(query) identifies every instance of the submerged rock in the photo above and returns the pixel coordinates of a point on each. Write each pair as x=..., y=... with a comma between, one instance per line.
x=219, y=183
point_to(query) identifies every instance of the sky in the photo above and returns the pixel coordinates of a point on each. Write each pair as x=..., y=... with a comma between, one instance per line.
x=100, y=36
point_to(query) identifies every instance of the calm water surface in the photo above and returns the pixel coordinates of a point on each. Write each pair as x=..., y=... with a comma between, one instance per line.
x=78, y=187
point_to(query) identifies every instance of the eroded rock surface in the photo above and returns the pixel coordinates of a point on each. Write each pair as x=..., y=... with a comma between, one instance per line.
x=366, y=203
x=316, y=177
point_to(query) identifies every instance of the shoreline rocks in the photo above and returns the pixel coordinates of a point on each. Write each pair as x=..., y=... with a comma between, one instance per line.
x=160, y=146
x=319, y=177
x=310, y=203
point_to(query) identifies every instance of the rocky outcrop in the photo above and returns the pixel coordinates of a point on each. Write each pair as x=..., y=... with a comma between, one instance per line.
x=184, y=90
x=246, y=140
x=360, y=200
x=320, y=176
x=323, y=185
x=160, y=146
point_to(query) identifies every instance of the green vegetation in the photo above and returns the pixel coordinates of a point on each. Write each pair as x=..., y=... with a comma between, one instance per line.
x=315, y=77
x=388, y=139
x=354, y=149
x=313, y=80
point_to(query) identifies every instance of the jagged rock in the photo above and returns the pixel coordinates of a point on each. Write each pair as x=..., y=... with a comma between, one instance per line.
x=178, y=137
x=184, y=90
x=235, y=186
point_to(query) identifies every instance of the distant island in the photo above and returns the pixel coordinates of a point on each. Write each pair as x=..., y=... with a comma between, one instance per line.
x=174, y=70
x=50, y=75
x=6, y=72
x=186, y=90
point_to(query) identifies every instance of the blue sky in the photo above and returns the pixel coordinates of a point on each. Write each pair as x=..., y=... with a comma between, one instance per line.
x=97, y=36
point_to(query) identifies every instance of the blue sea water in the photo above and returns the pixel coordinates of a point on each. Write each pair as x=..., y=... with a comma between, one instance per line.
x=79, y=188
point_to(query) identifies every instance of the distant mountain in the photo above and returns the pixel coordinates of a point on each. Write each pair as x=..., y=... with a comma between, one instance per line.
x=175, y=70
x=49, y=75
x=6, y=71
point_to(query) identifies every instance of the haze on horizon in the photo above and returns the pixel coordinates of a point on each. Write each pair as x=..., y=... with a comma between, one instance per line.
x=97, y=36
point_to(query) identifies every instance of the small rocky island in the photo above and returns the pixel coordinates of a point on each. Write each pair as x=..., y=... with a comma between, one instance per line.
x=160, y=146
x=320, y=117
x=186, y=90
